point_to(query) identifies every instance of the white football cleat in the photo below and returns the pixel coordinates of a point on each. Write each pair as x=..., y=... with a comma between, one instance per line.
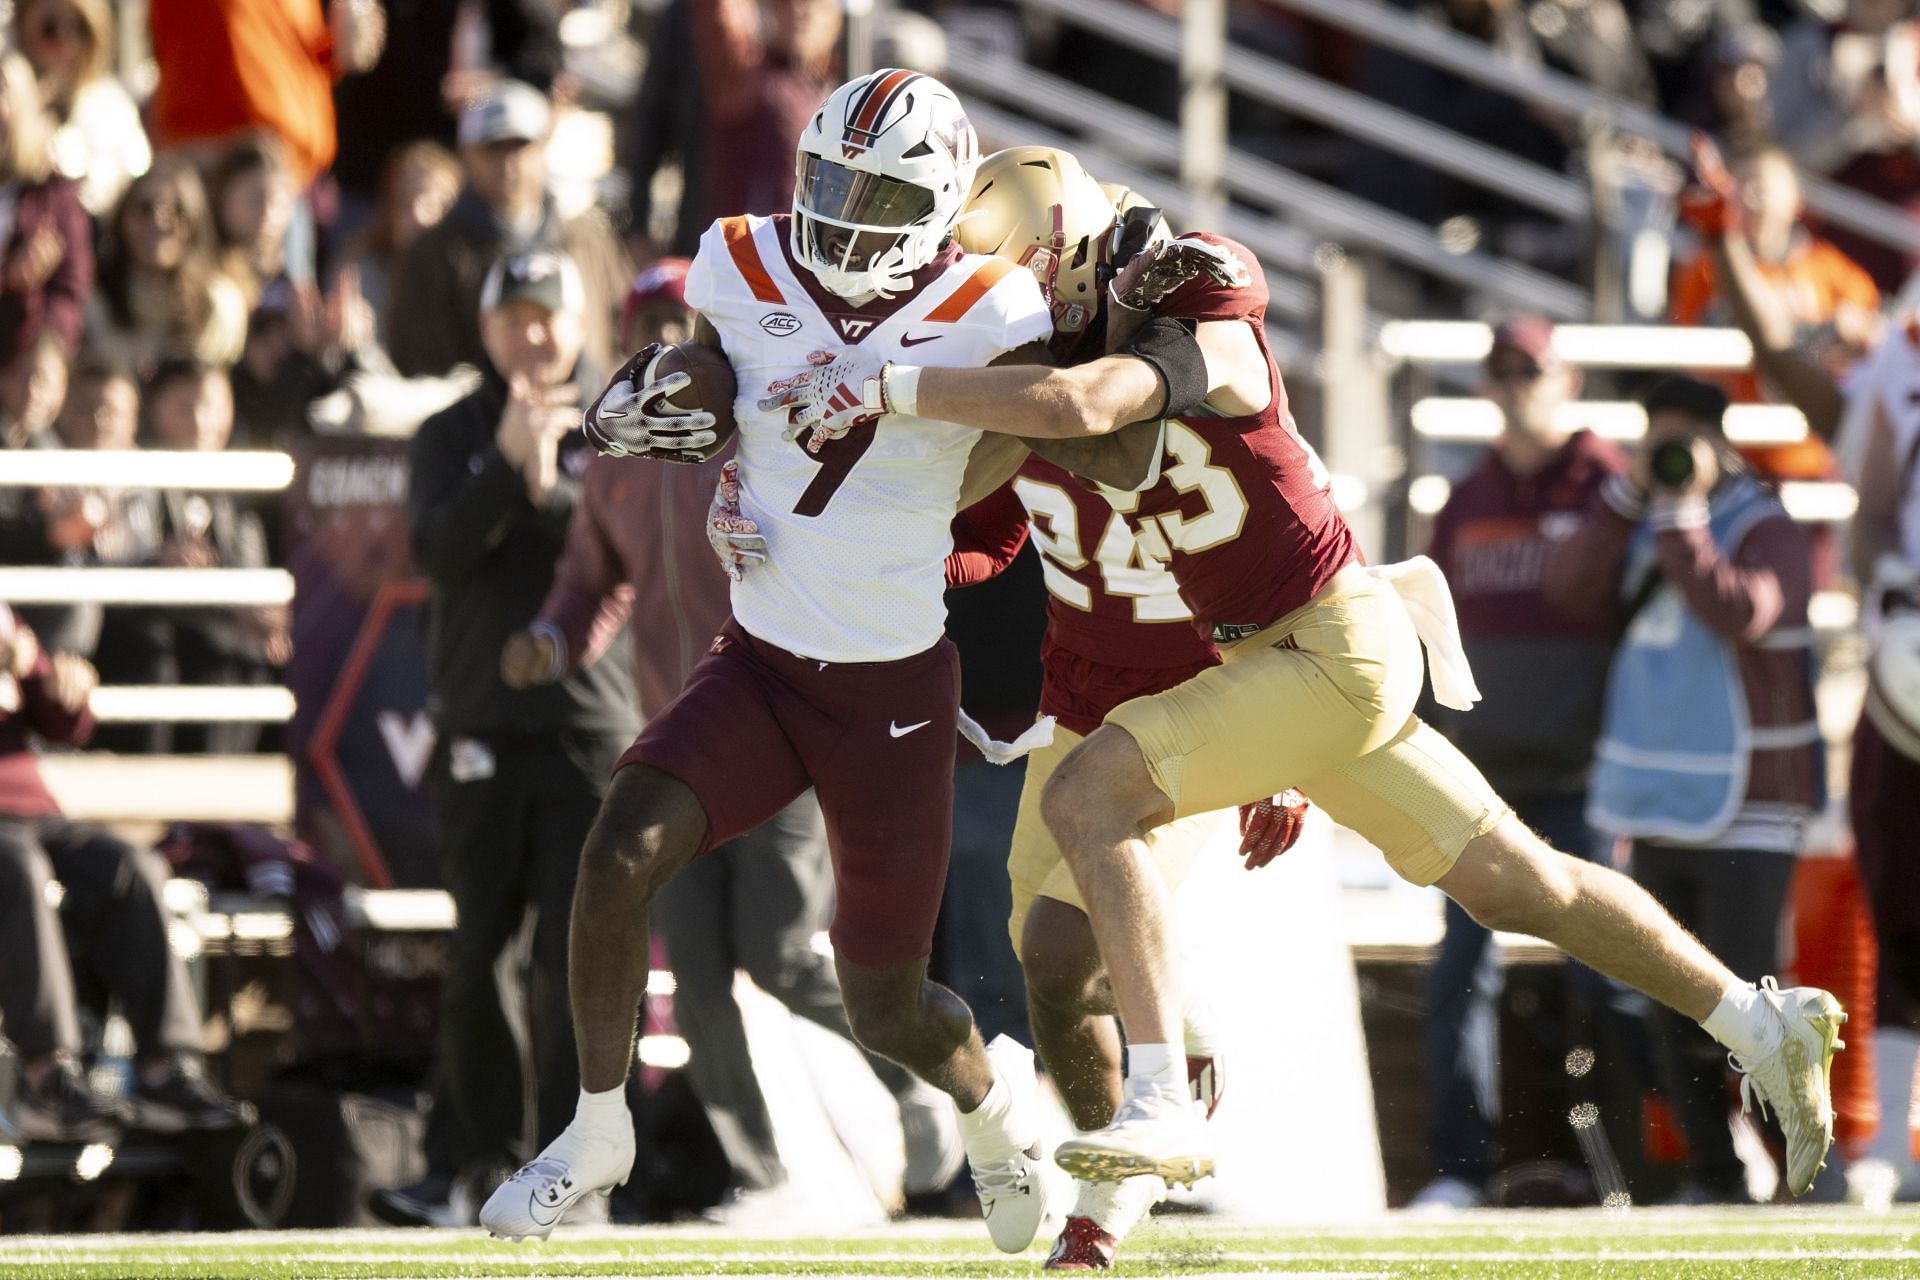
x=575, y=1165
x=1792, y=1077
x=1152, y=1133
x=1010, y=1173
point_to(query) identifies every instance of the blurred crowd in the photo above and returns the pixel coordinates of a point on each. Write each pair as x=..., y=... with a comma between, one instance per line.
x=246, y=225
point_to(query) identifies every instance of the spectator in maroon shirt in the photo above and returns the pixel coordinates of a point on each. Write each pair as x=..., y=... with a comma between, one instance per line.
x=766, y=70
x=1541, y=674
x=46, y=248
x=109, y=934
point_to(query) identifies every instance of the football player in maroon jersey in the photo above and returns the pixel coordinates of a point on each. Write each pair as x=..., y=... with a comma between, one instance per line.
x=1321, y=668
x=1116, y=629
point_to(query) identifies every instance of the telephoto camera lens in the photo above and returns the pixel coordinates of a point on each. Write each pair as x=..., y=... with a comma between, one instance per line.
x=1672, y=464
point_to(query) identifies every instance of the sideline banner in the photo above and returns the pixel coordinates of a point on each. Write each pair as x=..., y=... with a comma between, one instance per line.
x=360, y=740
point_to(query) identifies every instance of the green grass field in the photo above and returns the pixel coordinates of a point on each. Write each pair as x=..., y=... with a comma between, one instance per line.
x=1669, y=1245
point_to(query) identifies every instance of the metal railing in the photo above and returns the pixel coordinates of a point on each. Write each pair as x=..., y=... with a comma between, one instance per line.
x=233, y=471
x=1341, y=109
x=1436, y=45
x=1147, y=142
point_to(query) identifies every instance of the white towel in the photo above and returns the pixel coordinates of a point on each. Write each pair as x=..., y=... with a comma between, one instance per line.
x=1040, y=735
x=1423, y=590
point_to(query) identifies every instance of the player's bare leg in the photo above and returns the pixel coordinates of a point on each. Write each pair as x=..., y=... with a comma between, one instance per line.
x=1784, y=1041
x=1098, y=804
x=897, y=1013
x=649, y=827
x=1070, y=1008
x=1511, y=879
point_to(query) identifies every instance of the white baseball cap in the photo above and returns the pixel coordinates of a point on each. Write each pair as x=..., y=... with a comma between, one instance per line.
x=512, y=112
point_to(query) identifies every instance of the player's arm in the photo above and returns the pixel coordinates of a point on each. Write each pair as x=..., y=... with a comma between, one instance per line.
x=996, y=457
x=987, y=536
x=1169, y=367
x=1125, y=459
x=991, y=464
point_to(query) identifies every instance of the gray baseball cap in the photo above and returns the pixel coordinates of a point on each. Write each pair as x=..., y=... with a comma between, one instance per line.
x=549, y=279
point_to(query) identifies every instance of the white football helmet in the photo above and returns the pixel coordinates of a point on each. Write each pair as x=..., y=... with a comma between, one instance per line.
x=883, y=168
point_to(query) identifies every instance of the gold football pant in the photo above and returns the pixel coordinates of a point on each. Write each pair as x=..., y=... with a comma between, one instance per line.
x=1323, y=701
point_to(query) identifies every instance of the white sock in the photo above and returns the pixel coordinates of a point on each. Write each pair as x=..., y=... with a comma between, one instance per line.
x=1156, y=1068
x=1096, y=1201
x=983, y=1130
x=598, y=1112
x=1114, y=1207
x=1742, y=1021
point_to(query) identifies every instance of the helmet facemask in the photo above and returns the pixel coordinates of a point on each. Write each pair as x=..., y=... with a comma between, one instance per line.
x=861, y=233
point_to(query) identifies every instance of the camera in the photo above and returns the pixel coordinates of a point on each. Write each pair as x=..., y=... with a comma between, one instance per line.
x=1671, y=463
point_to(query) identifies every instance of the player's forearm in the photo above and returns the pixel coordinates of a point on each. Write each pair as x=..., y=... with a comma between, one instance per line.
x=1122, y=459
x=1039, y=403
x=991, y=464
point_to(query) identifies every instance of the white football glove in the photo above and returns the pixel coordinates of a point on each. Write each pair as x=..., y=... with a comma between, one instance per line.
x=631, y=417
x=735, y=538
x=840, y=390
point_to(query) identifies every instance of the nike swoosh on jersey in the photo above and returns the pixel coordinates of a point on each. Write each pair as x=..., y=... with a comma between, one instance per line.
x=901, y=731
x=909, y=340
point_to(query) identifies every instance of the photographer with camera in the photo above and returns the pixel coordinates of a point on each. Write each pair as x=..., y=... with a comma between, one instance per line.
x=1710, y=757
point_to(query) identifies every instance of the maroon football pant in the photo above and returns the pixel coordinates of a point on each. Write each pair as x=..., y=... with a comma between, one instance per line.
x=756, y=725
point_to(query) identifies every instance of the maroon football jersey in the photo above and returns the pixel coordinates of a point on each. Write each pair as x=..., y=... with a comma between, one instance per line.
x=1116, y=626
x=1243, y=513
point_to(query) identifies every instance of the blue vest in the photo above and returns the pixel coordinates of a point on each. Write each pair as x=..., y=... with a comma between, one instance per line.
x=1675, y=742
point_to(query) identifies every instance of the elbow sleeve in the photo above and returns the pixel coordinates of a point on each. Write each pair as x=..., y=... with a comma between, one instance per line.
x=1172, y=348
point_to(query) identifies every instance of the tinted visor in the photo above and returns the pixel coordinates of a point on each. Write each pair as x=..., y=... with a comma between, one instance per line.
x=840, y=194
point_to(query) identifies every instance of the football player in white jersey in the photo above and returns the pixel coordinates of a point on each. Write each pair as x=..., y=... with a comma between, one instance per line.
x=834, y=672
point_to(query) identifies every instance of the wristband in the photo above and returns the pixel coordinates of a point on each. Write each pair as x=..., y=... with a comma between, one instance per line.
x=1668, y=513
x=1172, y=349
x=900, y=388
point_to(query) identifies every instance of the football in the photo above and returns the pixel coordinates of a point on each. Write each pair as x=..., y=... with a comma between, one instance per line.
x=712, y=389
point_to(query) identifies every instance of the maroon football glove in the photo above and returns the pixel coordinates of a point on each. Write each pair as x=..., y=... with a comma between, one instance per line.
x=1156, y=272
x=1268, y=828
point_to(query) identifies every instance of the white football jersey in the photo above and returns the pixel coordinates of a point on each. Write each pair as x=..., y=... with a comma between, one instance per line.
x=858, y=534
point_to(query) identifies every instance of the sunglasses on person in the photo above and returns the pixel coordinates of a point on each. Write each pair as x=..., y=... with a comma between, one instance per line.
x=1516, y=371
